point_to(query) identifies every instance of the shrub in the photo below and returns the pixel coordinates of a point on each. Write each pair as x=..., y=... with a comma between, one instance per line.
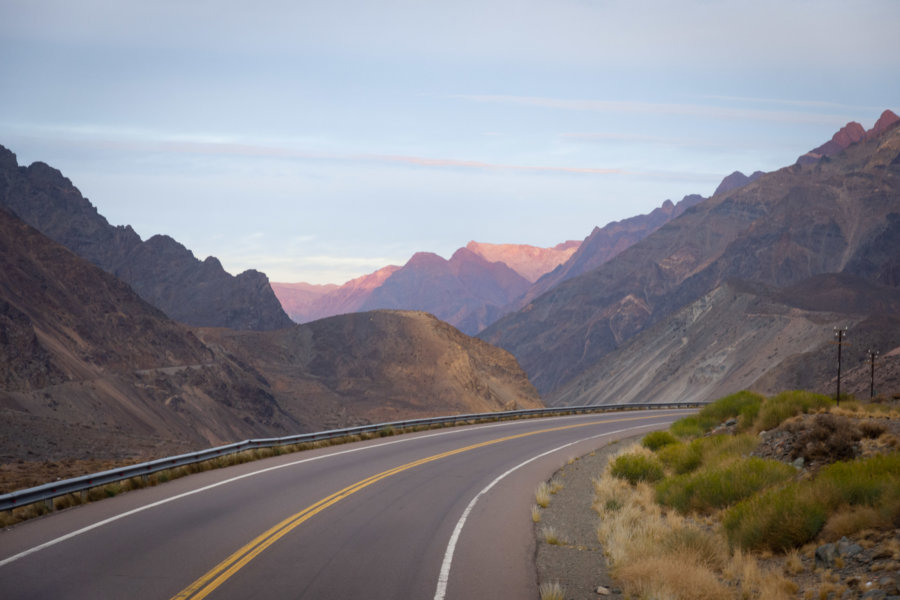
x=692, y=426
x=681, y=458
x=778, y=520
x=657, y=439
x=861, y=482
x=637, y=467
x=829, y=438
x=716, y=487
x=774, y=411
x=744, y=405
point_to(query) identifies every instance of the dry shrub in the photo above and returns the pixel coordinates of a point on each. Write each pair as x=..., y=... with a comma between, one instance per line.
x=745, y=574
x=670, y=577
x=793, y=563
x=830, y=438
x=851, y=520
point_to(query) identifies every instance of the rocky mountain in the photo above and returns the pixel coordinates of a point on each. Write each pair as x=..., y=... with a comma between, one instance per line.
x=606, y=242
x=88, y=367
x=299, y=299
x=466, y=291
x=745, y=335
x=838, y=215
x=736, y=180
x=89, y=370
x=528, y=261
x=849, y=134
x=160, y=270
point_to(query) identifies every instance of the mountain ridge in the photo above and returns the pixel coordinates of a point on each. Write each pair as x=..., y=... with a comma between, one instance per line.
x=786, y=226
x=160, y=269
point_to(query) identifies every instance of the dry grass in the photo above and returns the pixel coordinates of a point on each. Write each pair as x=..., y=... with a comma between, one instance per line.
x=551, y=536
x=535, y=513
x=542, y=494
x=552, y=591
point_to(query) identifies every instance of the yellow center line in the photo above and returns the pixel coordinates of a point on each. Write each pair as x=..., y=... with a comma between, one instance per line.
x=231, y=565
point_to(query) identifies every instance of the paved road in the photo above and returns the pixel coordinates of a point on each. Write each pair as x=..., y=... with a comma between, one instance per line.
x=442, y=514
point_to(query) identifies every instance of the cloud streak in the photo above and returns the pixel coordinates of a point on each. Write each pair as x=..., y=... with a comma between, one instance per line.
x=180, y=145
x=654, y=108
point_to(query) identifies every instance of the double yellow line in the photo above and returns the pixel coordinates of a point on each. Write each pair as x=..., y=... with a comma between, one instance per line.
x=231, y=565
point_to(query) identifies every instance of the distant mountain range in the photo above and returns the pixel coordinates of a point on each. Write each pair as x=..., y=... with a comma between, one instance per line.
x=689, y=311
x=160, y=270
x=480, y=282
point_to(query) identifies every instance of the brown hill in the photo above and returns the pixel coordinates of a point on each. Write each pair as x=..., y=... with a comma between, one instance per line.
x=89, y=370
x=160, y=270
x=379, y=366
x=787, y=226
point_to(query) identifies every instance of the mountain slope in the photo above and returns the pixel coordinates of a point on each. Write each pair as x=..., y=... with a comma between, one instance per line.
x=89, y=368
x=160, y=270
x=781, y=229
x=745, y=336
x=604, y=243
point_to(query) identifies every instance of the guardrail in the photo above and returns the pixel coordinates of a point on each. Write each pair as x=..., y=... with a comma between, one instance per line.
x=48, y=491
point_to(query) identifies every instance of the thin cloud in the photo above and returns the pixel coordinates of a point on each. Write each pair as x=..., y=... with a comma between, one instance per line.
x=697, y=110
x=251, y=150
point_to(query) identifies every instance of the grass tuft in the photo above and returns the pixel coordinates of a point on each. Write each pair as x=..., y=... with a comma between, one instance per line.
x=542, y=495
x=552, y=591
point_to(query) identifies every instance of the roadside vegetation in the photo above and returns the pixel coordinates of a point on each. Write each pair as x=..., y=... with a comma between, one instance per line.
x=734, y=501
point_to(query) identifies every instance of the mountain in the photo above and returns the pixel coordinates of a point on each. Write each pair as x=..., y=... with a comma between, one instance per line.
x=326, y=301
x=736, y=180
x=838, y=215
x=849, y=134
x=466, y=291
x=160, y=270
x=90, y=368
x=299, y=299
x=528, y=261
x=604, y=243
x=745, y=335
x=92, y=371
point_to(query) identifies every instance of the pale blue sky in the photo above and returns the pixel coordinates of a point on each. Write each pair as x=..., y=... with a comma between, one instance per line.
x=318, y=141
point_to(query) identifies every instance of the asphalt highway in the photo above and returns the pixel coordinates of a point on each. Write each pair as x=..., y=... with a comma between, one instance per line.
x=437, y=514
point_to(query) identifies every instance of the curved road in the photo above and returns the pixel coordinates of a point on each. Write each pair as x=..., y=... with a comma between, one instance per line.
x=439, y=514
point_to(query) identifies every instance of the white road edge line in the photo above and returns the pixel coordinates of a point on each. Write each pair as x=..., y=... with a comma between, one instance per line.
x=444, y=577
x=78, y=532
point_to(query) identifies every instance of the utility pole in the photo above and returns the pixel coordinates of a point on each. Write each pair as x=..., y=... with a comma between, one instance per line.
x=840, y=333
x=872, y=355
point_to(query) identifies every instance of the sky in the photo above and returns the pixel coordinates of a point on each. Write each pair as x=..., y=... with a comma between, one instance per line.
x=320, y=141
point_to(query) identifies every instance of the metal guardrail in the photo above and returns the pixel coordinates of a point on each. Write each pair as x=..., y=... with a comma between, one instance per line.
x=48, y=491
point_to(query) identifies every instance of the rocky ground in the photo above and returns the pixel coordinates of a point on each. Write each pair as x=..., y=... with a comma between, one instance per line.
x=860, y=566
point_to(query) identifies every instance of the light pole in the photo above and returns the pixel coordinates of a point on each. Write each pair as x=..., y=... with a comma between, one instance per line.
x=840, y=333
